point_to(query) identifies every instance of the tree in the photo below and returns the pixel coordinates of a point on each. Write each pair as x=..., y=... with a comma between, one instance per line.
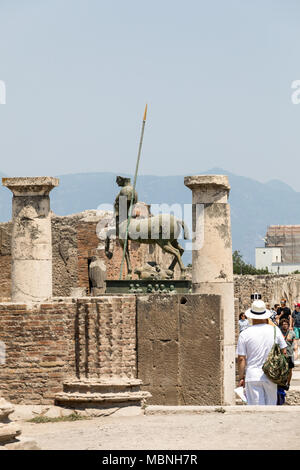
x=240, y=267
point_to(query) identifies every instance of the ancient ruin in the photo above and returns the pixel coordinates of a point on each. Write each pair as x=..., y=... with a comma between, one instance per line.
x=212, y=271
x=10, y=433
x=31, y=246
x=73, y=341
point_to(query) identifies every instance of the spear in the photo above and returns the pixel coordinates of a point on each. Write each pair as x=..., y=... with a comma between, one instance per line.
x=133, y=192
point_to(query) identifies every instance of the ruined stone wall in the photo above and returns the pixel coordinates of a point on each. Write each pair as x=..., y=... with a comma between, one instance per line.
x=5, y=260
x=271, y=287
x=74, y=242
x=51, y=343
x=64, y=254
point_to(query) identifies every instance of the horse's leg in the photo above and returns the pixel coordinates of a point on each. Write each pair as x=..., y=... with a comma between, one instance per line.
x=127, y=258
x=176, y=245
x=179, y=247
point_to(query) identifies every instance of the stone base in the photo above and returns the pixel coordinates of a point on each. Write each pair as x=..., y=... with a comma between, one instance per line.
x=22, y=444
x=104, y=393
x=10, y=431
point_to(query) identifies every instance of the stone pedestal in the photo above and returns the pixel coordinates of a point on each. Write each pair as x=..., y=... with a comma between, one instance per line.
x=102, y=393
x=10, y=432
x=105, y=356
x=212, y=271
x=31, y=238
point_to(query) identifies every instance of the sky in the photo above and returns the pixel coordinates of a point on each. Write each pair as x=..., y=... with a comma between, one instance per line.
x=216, y=75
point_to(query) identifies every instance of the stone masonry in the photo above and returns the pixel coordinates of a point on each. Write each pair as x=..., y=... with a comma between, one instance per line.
x=212, y=271
x=31, y=246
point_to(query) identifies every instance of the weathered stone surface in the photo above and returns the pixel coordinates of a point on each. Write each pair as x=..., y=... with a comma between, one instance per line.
x=212, y=271
x=176, y=336
x=31, y=247
x=22, y=444
x=50, y=343
x=10, y=432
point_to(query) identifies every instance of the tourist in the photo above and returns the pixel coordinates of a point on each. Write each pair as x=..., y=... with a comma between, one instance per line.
x=276, y=320
x=289, y=337
x=243, y=322
x=272, y=319
x=273, y=312
x=285, y=312
x=254, y=345
x=296, y=319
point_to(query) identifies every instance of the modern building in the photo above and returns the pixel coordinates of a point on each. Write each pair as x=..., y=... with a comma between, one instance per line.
x=281, y=253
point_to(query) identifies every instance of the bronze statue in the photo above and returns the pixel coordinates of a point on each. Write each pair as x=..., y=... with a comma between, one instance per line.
x=162, y=229
x=124, y=197
x=151, y=270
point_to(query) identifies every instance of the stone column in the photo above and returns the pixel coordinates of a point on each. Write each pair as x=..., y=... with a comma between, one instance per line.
x=212, y=271
x=31, y=238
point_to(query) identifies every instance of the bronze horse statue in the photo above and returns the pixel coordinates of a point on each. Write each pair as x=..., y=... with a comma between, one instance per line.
x=161, y=229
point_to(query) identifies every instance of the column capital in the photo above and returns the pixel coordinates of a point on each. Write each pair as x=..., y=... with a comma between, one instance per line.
x=31, y=186
x=198, y=181
x=208, y=188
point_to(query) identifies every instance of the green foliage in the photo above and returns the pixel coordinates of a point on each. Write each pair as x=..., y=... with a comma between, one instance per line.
x=44, y=419
x=240, y=267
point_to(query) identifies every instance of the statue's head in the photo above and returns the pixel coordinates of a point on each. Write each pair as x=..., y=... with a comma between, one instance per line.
x=121, y=181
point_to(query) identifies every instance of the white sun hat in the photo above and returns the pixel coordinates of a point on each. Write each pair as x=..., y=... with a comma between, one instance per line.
x=258, y=311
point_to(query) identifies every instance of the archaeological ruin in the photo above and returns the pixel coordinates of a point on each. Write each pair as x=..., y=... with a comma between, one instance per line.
x=71, y=342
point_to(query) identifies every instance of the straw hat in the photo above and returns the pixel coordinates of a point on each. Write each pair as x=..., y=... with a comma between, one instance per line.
x=258, y=311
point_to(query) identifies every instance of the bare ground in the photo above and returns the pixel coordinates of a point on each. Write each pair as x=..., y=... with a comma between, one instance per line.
x=218, y=431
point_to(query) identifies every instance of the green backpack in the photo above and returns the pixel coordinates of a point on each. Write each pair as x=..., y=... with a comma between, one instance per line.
x=276, y=366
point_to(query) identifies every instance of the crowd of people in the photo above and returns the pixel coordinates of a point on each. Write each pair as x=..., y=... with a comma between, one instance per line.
x=259, y=327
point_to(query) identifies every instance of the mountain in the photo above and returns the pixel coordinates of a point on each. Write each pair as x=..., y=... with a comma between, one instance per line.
x=254, y=205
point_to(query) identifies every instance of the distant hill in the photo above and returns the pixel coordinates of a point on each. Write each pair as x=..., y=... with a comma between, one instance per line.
x=254, y=205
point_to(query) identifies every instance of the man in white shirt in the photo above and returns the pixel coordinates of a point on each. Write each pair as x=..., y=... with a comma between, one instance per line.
x=253, y=347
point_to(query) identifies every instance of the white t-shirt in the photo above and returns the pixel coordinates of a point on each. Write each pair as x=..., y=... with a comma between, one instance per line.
x=255, y=343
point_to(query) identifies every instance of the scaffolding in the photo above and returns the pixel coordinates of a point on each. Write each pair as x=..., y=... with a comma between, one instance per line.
x=286, y=237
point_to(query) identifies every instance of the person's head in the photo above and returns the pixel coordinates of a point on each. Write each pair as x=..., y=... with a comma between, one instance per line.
x=258, y=312
x=121, y=181
x=242, y=316
x=284, y=324
x=283, y=303
x=268, y=306
x=276, y=306
x=297, y=308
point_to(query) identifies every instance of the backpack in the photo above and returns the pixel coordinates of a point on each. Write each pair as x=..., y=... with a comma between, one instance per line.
x=276, y=366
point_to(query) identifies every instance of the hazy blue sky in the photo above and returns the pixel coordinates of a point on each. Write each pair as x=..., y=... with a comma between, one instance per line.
x=216, y=75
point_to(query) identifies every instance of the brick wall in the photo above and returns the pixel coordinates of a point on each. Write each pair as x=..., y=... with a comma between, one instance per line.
x=105, y=330
x=39, y=351
x=50, y=343
x=87, y=242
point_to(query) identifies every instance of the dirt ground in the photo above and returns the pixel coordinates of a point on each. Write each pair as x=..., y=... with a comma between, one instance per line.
x=217, y=431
